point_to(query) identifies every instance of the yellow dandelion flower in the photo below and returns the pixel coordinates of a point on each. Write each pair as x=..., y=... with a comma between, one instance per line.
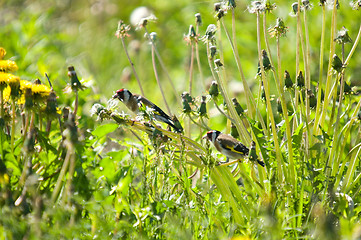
x=8, y=78
x=8, y=66
x=24, y=85
x=6, y=94
x=40, y=92
x=2, y=52
x=11, y=80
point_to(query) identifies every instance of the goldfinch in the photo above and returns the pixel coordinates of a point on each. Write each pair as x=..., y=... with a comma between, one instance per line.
x=135, y=101
x=228, y=145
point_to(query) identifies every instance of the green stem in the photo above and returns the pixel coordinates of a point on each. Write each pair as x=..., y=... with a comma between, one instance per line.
x=251, y=103
x=132, y=65
x=329, y=74
x=60, y=178
x=2, y=122
x=199, y=62
x=154, y=48
x=320, y=81
x=281, y=92
x=13, y=125
x=268, y=103
x=158, y=82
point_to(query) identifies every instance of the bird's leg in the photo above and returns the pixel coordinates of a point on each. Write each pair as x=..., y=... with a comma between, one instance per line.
x=234, y=168
x=227, y=162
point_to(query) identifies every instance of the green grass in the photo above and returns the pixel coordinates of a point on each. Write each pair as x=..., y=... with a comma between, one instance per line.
x=89, y=171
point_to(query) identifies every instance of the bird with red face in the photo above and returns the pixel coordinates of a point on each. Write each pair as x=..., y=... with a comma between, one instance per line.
x=134, y=101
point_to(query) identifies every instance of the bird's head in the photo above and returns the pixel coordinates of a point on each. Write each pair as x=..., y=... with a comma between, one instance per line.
x=212, y=135
x=123, y=95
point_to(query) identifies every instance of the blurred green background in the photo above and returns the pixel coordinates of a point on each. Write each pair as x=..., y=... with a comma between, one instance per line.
x=47, y=36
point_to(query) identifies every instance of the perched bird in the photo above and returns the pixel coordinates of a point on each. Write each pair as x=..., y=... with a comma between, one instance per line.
x=228, y=145
x=135, y=101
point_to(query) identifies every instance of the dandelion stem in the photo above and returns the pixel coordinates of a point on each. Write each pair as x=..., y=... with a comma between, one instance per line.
x=13, y=125
x=329, y=73
x=320, y=81
x=163, y=66
x=132, y=65
x=280, y=88
x=60, y=178
x=2, y=121
x=158, y=82
x=251, y=103
x=199, y=62
x=268, y=102
x=76, y=102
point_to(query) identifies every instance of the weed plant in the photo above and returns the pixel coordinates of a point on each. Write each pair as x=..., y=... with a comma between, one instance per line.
x=65, y=174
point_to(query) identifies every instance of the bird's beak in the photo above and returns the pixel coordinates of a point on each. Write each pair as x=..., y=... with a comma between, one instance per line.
x=115, y=96
x=205, y=137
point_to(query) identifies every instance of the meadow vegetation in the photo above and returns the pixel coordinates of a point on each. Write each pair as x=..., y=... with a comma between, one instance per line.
x=283, y=78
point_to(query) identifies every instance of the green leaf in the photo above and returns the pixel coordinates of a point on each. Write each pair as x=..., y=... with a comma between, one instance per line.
x=103, y=130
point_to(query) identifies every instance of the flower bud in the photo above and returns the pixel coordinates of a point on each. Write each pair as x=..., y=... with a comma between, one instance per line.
x=198, y=19
x=237, y=106
x=288, y=80
x=336, y=63
x=74, y=81
x=202, y=110
x=234, y=131
x=213, y=90
x=218, y=63
x=300, y=80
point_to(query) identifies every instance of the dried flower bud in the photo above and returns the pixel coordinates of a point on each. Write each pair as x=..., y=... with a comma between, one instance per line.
x=323, y=2
x=74, y=81
x=311, y=98
x=51, y=105
x=279, y=30
x=295, y=8
x=198, y=19
x=265, y=61
x=218, y=63
x=153, y=37
x=300, y=80
x=237, y=106
x=356, y=4
x=253, y=155
x=342, y=36
x=191, y=36
x=185, y=102
x=213, y=51
x=220, y=14
x=269, y=7
x=337, y=64
x=37, y=81
x=202, y=110
x=234, y=131
x=122, y=30
x=210, y=34
x=288, y=80
x=213, y=90
x=217, y=6
x=232, y=3
x=257, y=7
x=306, y=5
